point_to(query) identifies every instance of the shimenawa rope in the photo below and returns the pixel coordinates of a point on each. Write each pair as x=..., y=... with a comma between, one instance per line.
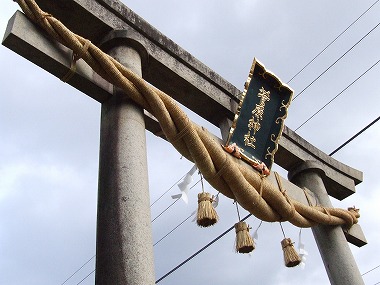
x=220, y=169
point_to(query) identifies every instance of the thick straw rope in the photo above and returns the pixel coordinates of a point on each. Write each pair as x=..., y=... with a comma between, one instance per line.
x=220, y=169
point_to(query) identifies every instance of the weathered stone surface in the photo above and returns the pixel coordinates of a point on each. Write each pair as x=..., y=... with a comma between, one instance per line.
x=211, y=97
x=124, y=245
x=337, y=257
x=180, y=75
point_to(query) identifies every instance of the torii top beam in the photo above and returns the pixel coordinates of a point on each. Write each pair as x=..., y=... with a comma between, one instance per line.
x=180, y=75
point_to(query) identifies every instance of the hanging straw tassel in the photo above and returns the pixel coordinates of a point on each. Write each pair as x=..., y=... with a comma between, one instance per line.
x=206, y=215
x=244, y=242
x=291, y=256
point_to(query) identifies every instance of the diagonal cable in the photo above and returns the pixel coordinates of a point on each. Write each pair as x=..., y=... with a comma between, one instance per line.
x=88, y=275
x=340, y=93
x=64, y=282
x=168, y=207
x=370, y=270
x=176, y=227
x=78, y=270
x=351, y=48
x=355, y=136
x=200, y=250
x=334, y=40
x=175, y=183
x=246, y=217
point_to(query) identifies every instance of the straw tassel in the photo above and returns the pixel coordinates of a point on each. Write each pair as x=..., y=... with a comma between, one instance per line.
x=291, y=256
x=206, y=215
x=244, y=242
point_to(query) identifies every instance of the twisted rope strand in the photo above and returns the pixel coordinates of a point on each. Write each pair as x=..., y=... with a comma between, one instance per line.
x=225, y=173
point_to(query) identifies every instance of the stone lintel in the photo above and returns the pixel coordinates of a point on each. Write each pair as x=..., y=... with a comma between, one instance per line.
x=169, y=68
x=29, y=41
x=26, y=39
x=339, y=179
x=354, y=234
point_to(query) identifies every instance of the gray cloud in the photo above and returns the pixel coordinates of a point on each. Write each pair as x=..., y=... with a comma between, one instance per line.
x=50, y=139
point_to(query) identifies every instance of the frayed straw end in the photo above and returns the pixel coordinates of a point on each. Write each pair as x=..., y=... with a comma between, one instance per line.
x=206, y=215
x=244, y=242
x=291, y=256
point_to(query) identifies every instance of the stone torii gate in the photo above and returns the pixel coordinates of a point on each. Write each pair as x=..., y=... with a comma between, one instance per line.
x=124, y=247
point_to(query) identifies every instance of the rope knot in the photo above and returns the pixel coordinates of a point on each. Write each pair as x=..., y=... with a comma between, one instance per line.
x=74, y=58
x=80, y=54
x=241, y=226
x=354, y=213
x=41, y=17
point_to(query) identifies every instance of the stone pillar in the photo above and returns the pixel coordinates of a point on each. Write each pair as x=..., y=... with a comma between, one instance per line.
x=336, y=255
x=124, y=247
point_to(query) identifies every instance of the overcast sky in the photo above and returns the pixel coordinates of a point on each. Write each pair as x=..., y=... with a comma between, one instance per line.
x=49, y=144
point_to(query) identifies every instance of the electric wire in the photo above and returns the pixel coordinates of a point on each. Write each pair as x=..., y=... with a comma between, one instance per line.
x=151, y=221
x=351, y=48
x=175, y=183
x=246, y=217
x=176, y=227
x=296, y=130
x=355, y=136
x=225, y=232
x=180, y=224
x=371, y=270
x=334, y=40
x=229, y=229
x=167, y=208
x=86, y=277
x=199, y=251
x=78, y=269
x=340, y=93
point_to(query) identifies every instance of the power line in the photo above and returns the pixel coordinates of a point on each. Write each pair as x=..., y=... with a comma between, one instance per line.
x=229, y=229
x=175, y=183
x=246, y=217
x=180, y=224
x=296, y=129
x=86, y=277
x=351, y=48
x=225, y=232
x=328, y=103
x=152, y=221
x=167, y=208
x=355, y=136
x=371, y=270
x=78, y=269
x=153, y=245
x=332, y=42
x=199, y=251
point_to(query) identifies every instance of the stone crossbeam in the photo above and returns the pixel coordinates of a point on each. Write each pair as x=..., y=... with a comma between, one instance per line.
x=173, y=70
x=168, y=67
